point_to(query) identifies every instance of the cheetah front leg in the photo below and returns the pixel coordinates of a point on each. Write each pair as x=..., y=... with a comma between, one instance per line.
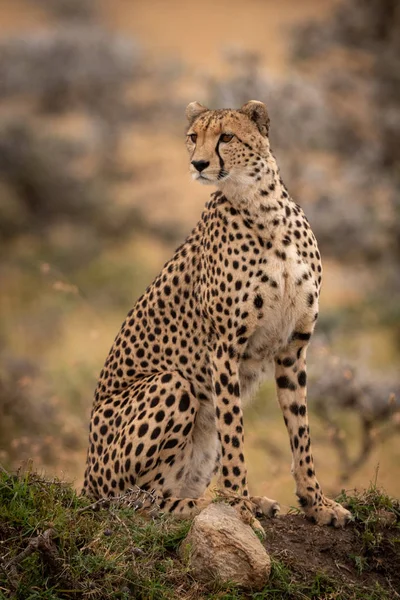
x=229, y=419
x=290, y=373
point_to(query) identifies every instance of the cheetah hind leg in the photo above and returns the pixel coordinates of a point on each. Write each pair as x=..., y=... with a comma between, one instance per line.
x=259, y=506
x=248, y=510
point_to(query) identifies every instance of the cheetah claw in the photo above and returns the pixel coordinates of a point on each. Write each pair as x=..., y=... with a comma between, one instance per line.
x=329, y=512
x=265, y=507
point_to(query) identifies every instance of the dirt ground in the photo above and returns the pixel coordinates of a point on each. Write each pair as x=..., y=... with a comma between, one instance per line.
x=308, y=550
x=176, y=30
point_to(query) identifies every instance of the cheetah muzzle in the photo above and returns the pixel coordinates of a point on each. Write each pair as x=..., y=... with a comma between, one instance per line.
x=242, y=291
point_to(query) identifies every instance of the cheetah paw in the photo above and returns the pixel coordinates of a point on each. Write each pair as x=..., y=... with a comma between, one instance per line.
x=265, y=507
x=246, y=511
x=328, y=512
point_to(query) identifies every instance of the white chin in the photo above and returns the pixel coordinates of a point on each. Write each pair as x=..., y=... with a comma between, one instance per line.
x=202, y=180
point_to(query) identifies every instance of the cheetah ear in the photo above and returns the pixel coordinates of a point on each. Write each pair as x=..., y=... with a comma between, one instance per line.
x=193, y=110
x=257, y=112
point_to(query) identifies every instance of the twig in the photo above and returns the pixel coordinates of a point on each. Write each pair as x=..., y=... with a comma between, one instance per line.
x=11, y=575
x=133, y=498
x=44, y=544
x=101, y=502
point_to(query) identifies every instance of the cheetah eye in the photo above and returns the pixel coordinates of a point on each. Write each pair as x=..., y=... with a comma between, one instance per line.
x=226, y=137
x=193, y=137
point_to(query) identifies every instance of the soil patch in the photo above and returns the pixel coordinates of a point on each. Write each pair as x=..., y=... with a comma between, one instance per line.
x=347, y=555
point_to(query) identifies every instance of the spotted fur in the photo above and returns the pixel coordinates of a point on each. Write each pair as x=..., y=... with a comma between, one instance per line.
x=241, y=292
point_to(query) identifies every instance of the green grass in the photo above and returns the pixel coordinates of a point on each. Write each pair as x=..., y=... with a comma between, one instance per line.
x=373, y=511
x=113, y=552
x=284, y=584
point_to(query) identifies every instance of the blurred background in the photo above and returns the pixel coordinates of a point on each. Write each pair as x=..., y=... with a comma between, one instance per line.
x=95, y=195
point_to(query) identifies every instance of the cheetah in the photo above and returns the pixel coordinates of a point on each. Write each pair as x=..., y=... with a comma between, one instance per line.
x=240, y=293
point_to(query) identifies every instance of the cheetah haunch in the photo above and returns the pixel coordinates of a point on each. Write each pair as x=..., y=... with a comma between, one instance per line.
x=241, y=291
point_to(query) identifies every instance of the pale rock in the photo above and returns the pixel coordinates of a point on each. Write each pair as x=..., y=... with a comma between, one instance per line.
x=220, y=547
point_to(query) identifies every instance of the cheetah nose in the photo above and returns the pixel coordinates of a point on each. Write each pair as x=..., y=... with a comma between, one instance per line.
x=200, y=165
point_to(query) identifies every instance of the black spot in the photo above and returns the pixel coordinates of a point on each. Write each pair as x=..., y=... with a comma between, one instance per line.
x=294, y=408
x=184, y=402
x=143, y=429
x=151, y=450
x=187, y=429
x=159, y=416
x=224, y=379
x=228, y=418
x=285, y=383
x=288, y=361
x=170, y=400
x=155, y=433
x=258, y=301
x=302, y=378
x=171, y=444
x=139, y=449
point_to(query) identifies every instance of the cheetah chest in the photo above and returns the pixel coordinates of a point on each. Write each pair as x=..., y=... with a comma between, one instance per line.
x=284, y=308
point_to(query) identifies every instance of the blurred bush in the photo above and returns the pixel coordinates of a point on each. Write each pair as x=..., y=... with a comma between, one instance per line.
x=338, y=391
x=68, y=97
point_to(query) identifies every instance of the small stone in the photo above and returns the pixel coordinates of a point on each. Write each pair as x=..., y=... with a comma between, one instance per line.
x=220, y=547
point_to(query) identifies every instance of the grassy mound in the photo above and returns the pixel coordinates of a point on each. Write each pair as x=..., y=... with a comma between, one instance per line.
x=55, y=545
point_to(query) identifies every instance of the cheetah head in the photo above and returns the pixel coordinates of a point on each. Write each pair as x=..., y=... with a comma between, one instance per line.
x=227, y=145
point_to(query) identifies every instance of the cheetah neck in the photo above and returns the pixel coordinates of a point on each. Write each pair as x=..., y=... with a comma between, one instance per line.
x=265, y=199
